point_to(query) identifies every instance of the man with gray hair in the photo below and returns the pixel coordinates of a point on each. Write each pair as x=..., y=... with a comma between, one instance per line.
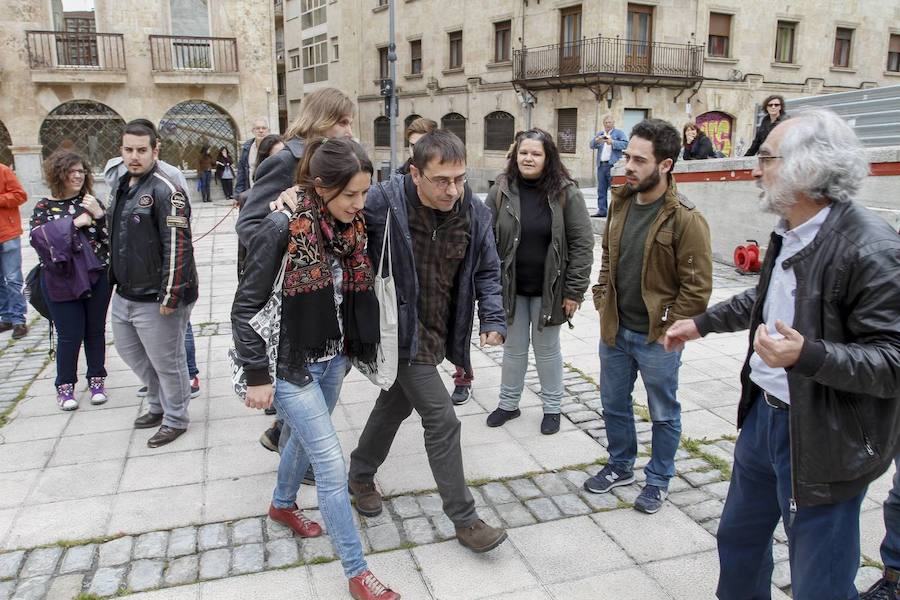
x=246, y=170
x=819, y=412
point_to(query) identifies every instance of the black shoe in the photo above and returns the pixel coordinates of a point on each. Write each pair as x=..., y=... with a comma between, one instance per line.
x=500, y=416
x=550, y=424
x=19, y=331
x=599, y=215
x=165, y=435
x=270, y=411
x=148, y=420
x=460, y=395
x=270, y=437
x=883, y=589
x=310, y=477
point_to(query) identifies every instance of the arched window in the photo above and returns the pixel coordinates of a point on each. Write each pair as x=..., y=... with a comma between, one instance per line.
x=192, y=124
x=92, y=129
x=456, y=123
x=499, y=130
x=6, y=156
x=382, y=132
x=717, y=126
x=406, y=123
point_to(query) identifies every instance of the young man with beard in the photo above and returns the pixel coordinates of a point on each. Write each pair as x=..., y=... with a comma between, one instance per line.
x=820, y=403
x=656, y=269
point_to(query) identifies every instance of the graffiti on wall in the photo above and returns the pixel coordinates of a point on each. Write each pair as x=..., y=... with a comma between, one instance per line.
x=717, y=126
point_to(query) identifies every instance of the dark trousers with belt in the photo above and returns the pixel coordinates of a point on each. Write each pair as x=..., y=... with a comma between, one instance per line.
x=823, y=540
x=419, y=387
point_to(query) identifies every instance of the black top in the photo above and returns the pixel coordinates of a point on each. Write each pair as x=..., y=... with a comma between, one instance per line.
x=629, y=286
x=765, y=128
x=700, y=148
x=534, y=238
x=50, y=209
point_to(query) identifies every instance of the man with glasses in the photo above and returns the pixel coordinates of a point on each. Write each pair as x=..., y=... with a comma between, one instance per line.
x=819, y=412
x=774, y=106
x=443, y=260
x=247, y=162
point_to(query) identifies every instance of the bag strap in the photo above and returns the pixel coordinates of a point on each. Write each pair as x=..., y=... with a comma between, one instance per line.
x=386, y=243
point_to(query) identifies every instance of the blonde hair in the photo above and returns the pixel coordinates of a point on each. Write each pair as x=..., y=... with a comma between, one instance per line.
x=320, y=111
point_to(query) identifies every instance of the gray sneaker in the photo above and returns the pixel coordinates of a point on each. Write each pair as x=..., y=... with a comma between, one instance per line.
x=650, y=499
x=608, y=478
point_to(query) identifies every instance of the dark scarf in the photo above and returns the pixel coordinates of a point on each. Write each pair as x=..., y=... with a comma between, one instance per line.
x=309, y=320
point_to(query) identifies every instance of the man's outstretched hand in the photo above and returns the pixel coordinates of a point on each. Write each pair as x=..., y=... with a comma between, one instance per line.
x=681, y=331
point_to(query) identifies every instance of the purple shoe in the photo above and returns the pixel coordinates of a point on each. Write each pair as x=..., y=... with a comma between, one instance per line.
x=98, y=390
x=65, y=396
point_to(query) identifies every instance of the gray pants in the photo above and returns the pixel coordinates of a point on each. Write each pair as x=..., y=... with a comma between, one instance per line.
x=153, y=346
x=419, y=387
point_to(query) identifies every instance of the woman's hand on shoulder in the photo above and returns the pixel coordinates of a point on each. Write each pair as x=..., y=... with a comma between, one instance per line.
x=287, y=199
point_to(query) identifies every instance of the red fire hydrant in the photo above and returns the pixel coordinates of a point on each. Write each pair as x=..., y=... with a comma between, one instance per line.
x=746, y=258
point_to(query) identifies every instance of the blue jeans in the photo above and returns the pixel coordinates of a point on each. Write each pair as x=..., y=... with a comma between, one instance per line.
x=12, y=299
x=823, y=540
x=604, y=179
x=890, y=547
x=619, y=366
x=205, y=185
x=191, y=351
x=307, y=410
x=547, y=357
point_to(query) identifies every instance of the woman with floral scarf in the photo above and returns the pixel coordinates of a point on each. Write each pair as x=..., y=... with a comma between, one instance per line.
x=329, y=315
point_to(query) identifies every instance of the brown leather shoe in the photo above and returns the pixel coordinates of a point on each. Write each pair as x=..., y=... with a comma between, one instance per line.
x=295, y=519
x=148, y=420
x=368, y=500
x=165, y=435
x=480, y=537
x=19, y=331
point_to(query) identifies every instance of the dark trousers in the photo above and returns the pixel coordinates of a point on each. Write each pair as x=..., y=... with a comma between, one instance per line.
x=191, y=351
x=205, y=185
x=228, y=188
x=823, y=540
x=419, y=387
x=604, y=179
x=77, y=322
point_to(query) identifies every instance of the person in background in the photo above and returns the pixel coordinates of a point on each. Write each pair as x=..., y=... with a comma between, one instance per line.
x=695, y=143
x=609, y=143
x=545, y=243
x=414, y=132
x=12, y=298
x=81, y=317
x=271, y=144
x=774, y=106
x=225, y=173
x=248, y=159
x=205, y=165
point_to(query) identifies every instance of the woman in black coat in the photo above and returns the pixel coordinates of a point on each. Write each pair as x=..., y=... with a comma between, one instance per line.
x=696, y=145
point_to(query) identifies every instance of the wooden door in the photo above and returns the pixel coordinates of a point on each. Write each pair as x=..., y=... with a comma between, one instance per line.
x=570, y=40
x=639, y=36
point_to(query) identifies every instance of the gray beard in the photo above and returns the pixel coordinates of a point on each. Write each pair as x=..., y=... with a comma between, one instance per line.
x=776, y=200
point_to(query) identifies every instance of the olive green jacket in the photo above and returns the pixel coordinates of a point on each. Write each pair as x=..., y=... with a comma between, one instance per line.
x=676, y=277
x=567, y=270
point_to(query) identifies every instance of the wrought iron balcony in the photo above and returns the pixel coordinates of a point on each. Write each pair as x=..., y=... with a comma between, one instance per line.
x=169, y=54
x=90, y=51
x=608, y=60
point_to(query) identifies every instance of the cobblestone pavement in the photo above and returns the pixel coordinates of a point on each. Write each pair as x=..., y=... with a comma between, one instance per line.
x=88, y=509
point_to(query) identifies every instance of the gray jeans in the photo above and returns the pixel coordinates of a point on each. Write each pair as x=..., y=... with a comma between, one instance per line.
x=419, y=387
x=153, y=346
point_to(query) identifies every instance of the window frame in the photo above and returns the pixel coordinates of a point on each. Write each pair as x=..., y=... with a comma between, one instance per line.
x=718, y=38
x=455, y=38
x=495, y=140
x=503, y=47
x=313, y=13
x=793, y=26
x=315, y=58
x=415, y=62
x=843, y=48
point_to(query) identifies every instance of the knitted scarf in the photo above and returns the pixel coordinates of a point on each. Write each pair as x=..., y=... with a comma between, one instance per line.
x=309, y=319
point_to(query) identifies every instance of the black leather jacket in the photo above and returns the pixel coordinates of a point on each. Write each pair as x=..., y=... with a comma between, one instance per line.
x=151, y=257
x=845, y=388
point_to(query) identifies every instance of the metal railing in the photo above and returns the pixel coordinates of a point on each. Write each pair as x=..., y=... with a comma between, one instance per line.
x=72, y=50
x=171, y=53
x=609, y=55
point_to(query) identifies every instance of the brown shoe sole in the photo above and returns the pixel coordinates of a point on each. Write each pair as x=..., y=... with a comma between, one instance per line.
x=486, y=548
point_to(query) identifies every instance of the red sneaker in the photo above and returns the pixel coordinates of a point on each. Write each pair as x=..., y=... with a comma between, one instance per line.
x=366, y=587
x=296, y=520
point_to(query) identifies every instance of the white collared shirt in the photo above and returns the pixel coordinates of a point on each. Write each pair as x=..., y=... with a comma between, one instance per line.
x=606, y=150
x=780, y=300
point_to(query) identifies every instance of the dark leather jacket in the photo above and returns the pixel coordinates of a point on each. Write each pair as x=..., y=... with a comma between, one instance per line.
x=150, y=252
x=845, y=388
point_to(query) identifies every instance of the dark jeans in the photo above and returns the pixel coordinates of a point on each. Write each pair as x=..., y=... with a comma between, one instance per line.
x=419, y=387
x=604, y=179
x=890, y=547
x=191, y=351
x=228, y=188
x=77, y=322
x=823, y=540
x=205, y=185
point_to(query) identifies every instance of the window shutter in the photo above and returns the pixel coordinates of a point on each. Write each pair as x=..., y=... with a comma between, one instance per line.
x=567, y=130
x=499, y=130
x=719, y=24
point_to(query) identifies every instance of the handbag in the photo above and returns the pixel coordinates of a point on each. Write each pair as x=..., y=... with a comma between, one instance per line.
x=34, y=292
x=267, y=324
x=385, y=371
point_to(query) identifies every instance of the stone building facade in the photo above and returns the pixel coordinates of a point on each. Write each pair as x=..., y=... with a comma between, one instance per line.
x=74, y=71
x=492, y=68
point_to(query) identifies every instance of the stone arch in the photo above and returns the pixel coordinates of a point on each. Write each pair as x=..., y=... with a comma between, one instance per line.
x=717, y=126
x=499, y=130
x=192, y=124
x=456, y=123
x=88, y=127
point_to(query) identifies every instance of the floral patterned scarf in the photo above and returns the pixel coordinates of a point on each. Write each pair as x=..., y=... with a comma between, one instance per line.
x=309, y=318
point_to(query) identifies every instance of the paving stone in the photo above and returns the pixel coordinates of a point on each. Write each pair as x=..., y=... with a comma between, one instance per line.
x=275, y=530
x=384, y=537
x=779, y=534
x=781, y=574
x=145, y=575
x=645, y=437
x=709, y=509
x=214, y=536
x=682, y=454
x=576, y=478
x=727, y=446
x=6, y=589
x=10, y=563
x=690, y=496
x=514, y=514
x=65, y=587
x=711, y=526
x=33, y=588
x=524, y=489
x=78, y=558
x=780, y=552
x=718, y=489
x=477, y=497
x=551, y=484
x=599, y=501
x=182, y=541
x=317, y=549
x=431, y=504
x=701, y=478
x=107, y=580
x=628, y=493
x=151, y=545
x=182, y=570
x=677, y=484
x=406, y=507
x=691, y=464
x=720, y=453
x=249, y=558
x=571, y=505
x=382, y=519
x=444, y=526
x=41, y=562
x=116, y=552
x=497, y=493
x=418, y=530
x=582, y=416
x=580, y=388
x=543, y=509
x=489, y=516
x=281, y=553
x=866, y=577
x=247, y=531
x=597, y=424
x=215, y=563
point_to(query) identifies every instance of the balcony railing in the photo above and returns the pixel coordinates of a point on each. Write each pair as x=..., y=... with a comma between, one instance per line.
x=609, y=56
x=169, y=53
x=81, y=51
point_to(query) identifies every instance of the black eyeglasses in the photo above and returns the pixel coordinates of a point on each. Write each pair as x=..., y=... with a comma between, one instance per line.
x=442, y=183
x=773, y=105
